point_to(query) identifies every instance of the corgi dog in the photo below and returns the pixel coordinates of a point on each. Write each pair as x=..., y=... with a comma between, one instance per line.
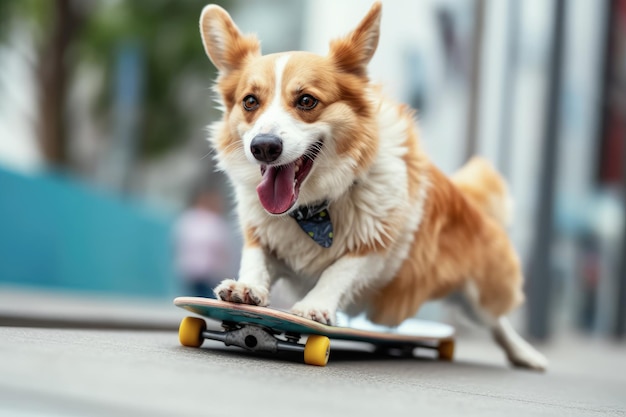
x=335, y=194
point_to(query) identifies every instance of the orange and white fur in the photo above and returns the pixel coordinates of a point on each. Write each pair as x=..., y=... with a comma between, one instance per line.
x=300, y=128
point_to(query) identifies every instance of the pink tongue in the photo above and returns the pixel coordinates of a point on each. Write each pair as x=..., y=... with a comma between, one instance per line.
x=276, y=190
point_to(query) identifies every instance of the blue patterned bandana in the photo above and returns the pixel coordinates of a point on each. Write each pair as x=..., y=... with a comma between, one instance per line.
x=315, y=221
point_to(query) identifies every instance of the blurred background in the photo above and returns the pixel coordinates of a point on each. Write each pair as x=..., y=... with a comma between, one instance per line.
x=106, y=176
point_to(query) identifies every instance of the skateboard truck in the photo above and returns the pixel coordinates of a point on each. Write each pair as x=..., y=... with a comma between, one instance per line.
x=255, y=338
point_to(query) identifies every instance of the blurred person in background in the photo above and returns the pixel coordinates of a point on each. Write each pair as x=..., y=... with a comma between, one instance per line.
x=203, y=248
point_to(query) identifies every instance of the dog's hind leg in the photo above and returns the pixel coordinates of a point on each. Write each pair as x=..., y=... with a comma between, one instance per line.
x=518, y=351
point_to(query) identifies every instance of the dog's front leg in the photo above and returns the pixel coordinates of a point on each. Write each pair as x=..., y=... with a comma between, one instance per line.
x=255, y=280
x=337, y=286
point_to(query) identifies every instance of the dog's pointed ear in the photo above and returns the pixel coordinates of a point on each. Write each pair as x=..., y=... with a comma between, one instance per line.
x=353, y=52
x=223, y=42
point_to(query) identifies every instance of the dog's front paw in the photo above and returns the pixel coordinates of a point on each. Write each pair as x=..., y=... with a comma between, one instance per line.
x=321, y=315
x=238, y=292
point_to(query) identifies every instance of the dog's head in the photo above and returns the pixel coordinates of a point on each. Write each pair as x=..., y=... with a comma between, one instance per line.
x=298, y=127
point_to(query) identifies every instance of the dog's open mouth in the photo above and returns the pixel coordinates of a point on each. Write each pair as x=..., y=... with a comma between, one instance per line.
x=280, y=186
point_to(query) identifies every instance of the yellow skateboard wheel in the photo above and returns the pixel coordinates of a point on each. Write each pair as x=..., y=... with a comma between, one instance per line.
x=190, y=331
x=317, y=350
x=446, y=350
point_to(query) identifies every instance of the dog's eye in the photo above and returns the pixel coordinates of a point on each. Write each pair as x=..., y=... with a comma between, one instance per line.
x=250, y=103
x=306, y=102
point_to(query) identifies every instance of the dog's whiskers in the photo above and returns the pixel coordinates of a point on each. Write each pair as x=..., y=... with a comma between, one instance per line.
x=315, y=150
x=207, y=154
x=236, y=146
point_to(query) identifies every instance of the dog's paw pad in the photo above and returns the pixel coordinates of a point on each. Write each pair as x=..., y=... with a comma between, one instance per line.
x=237, y=292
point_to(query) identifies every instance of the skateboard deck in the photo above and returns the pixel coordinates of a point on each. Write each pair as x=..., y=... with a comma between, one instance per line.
x=270, y=330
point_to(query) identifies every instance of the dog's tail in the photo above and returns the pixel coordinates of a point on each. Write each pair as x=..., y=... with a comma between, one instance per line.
x=479, y=181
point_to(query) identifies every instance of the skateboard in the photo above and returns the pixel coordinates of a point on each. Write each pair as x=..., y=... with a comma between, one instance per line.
x=264, y=329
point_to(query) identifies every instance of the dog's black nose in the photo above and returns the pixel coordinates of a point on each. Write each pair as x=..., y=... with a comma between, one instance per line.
x=266, y=148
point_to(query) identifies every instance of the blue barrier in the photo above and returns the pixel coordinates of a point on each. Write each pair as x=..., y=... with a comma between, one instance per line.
x=58, y=233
